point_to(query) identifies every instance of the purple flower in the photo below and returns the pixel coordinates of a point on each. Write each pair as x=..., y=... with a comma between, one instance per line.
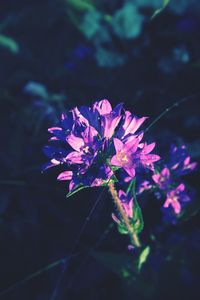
x=94, y=176
x=86, y=138
x=162, y=179
x=180, y=161
x=86, y=147
x=130, y=124
x=102, y=117
x=165, y=183
x=175, y=197
x=144, y=186
x=147, y=159
x=127, y=205
x=131, y=154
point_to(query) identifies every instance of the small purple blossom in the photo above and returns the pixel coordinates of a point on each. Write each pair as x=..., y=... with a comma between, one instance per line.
x=165, y=182
x=94, y=176
x=130, y=124
x=144, y=186
x=162, y=179
x=131, y=154
x=127, y=205
x=180, y=161
x=175, y=197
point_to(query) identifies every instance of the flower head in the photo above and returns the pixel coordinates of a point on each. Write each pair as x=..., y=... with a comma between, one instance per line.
x=91, y=141
x=165, y=182
x=130, y=154
x=144, y=186
x=162, y=179
x=175, y=197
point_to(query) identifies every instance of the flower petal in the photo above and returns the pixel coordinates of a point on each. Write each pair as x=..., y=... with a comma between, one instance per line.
x=165, y=173
x=66, y=175
x=118, y=144
x=54, y=129
x=115, y=162
x=104, y=107
x=130, y=171
x=74, y=157
x=75, y=142
x=109, y=124
x=156, y=178
x=148, y=148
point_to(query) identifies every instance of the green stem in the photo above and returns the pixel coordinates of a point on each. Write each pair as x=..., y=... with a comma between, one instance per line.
x=133, y=236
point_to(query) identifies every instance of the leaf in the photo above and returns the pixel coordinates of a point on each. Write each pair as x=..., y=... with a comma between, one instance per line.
x=9, y=43
x=138, y=223
x=122, y=229
x=158, y=11
x=114, y=168
x=120, y=264
x=131, y=186
x=76, y=190
x=113, y=178
x=81, y=5
x=126, y=267
x=143, y=257
x=191, y=211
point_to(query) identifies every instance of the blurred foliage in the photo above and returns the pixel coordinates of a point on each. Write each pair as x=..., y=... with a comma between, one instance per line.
x=158, y=11
x=9, y=43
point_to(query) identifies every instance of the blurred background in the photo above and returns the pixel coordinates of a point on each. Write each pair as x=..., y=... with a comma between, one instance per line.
x=57, y=54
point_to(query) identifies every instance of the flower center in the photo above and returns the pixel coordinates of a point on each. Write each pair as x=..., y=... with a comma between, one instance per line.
x=122, y=158
x=86, y=149
x=162, y=179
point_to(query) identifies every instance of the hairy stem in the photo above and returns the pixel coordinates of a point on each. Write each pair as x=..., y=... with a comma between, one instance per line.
x=133, y=236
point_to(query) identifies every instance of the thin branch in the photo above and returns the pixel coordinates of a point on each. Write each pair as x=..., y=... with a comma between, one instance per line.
x=168, y=109
x=33, y=275
x=96, y=245
x=65, y=260
x=55, y=291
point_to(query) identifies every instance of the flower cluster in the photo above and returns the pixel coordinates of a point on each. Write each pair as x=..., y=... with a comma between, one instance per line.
x=166, y=181
x=93, y=142
x=103, y=146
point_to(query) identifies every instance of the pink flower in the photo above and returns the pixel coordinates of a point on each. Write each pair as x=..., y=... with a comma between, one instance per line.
x=162, y=179
x=127, y=205
x=131, y=154
x=175, y=197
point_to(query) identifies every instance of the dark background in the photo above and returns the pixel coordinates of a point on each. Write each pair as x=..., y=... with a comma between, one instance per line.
x=49, y=63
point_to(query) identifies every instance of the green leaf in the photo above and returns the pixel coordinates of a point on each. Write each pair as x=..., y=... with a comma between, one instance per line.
x=114, y=168
x=113, y=179
x=191, y=210
x=121, y=264
x=126, y=267
x=9, y=43
x=81, y=5
x=131, y=186
x=158, y=11
x=77, y=189
x=143, y=257
x=138, y=223
x=122, y=229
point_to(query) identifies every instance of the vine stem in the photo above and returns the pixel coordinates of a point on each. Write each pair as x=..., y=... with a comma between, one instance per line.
x=168, y=109
x=133, y=236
